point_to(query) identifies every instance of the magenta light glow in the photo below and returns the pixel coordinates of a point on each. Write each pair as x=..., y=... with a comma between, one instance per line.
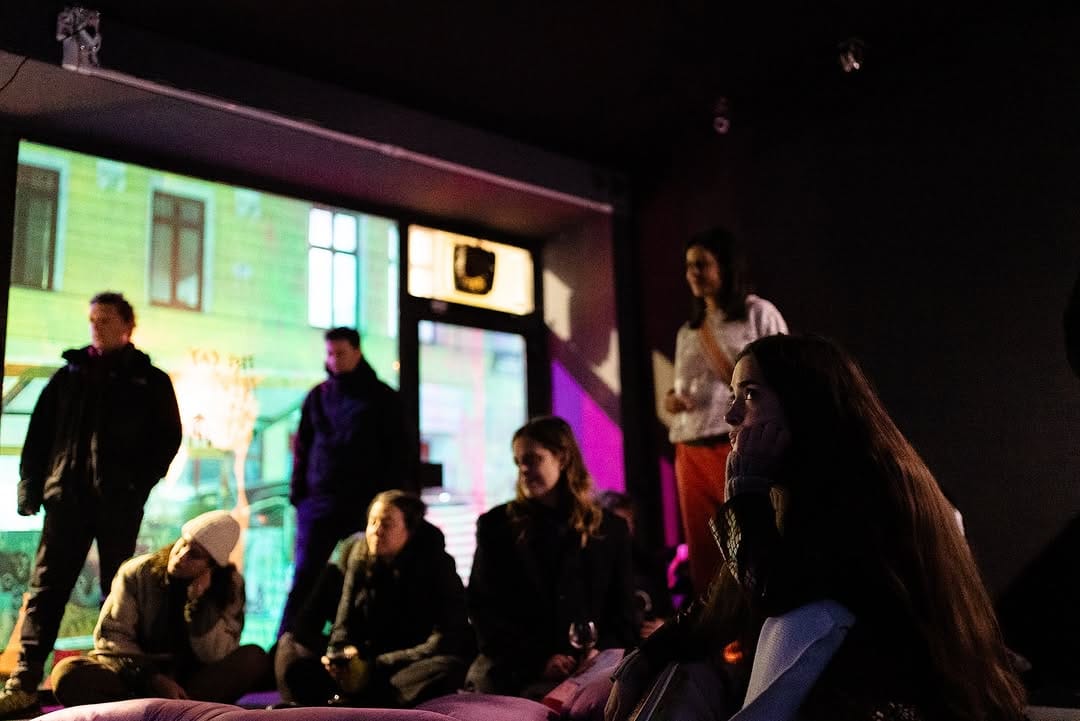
x=600, y=438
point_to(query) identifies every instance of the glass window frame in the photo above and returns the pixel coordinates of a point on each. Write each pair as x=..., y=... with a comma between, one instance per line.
x=404, y=322
x=530, y=326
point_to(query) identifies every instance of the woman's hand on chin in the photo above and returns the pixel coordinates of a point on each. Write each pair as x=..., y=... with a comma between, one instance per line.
x=757, y=450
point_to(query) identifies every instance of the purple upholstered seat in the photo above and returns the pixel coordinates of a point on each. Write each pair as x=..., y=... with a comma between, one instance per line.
x=156, y=709
x=488, y=707
x=582, y=696
x=459, y=707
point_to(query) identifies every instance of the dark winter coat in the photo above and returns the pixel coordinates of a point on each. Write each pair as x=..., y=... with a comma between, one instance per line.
x=407, y=609
x=525, y=592
x=352, y=443
x=104, y=427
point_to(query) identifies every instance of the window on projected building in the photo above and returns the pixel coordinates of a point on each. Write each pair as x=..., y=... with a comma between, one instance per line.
x=332, y=268
x=34, y=248
x=176, y=251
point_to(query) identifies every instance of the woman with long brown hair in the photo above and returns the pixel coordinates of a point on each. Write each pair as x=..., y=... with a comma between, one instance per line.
x=550, y=559
x=863, y=596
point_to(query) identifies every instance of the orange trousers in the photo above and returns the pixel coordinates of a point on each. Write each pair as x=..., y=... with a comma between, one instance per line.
x=699, y=477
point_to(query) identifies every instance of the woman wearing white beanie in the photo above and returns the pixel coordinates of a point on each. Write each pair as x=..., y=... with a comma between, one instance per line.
x=171, y=626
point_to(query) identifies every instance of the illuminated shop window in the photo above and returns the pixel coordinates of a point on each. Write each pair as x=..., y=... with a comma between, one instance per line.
x=34, y=250
x=470, y=271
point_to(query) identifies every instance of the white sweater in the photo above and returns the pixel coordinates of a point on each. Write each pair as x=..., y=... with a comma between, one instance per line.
x=694, y=374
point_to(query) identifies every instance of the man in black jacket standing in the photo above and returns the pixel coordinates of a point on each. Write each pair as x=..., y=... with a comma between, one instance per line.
x=352, y=443
x=102, y=434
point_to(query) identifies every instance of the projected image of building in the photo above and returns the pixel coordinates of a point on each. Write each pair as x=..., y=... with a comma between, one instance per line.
x=233, y=289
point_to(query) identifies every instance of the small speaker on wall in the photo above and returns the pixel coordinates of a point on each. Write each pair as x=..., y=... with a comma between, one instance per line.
x=474, y=269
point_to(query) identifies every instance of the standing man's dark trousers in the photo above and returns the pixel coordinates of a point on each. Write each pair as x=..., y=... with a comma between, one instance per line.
x=319, y=528
x=69, y=529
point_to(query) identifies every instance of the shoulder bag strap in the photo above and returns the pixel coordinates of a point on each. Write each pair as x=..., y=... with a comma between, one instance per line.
x=718, y=359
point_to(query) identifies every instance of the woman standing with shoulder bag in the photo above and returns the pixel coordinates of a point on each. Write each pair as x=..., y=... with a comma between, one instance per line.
x=724, y=318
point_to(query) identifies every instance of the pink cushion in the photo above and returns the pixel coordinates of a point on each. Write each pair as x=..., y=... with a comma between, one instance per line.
x=156, y=709
x=582, y=697
x=488, y=707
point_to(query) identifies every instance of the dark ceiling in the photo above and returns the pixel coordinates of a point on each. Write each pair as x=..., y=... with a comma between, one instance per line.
x=608, y=82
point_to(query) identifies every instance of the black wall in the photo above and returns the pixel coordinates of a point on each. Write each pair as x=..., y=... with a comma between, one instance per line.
x=926, y=214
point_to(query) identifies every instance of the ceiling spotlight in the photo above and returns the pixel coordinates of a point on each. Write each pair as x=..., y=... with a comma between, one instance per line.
x=721, y=116
x=851, y=54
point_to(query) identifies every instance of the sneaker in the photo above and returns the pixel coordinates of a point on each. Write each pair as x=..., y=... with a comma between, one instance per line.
x=18, y=704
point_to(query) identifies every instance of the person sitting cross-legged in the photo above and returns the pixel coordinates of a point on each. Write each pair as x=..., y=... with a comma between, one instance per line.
x=401, y=635
x=170, y=627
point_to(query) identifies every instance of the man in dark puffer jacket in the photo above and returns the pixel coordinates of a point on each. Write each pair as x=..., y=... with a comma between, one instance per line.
x=352, y=443
x=103, y=432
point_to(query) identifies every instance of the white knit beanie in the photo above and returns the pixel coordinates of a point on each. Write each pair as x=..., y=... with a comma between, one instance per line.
x=216, y=531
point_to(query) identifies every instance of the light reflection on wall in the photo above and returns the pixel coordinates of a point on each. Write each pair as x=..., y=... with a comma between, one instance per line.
x=600, y=437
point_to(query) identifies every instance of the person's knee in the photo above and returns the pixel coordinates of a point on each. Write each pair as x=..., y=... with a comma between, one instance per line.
x=252, y=653
x=445, y=671
x=287, y=650
x=255, y=662
x=481, y=676
x=306, y=682
x=427, y=678
x=63, y=678
x=77, y=681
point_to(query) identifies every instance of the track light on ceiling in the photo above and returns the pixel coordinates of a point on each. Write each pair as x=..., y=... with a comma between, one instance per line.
x=721, y=116
x=852, y=54
x=77, y=30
